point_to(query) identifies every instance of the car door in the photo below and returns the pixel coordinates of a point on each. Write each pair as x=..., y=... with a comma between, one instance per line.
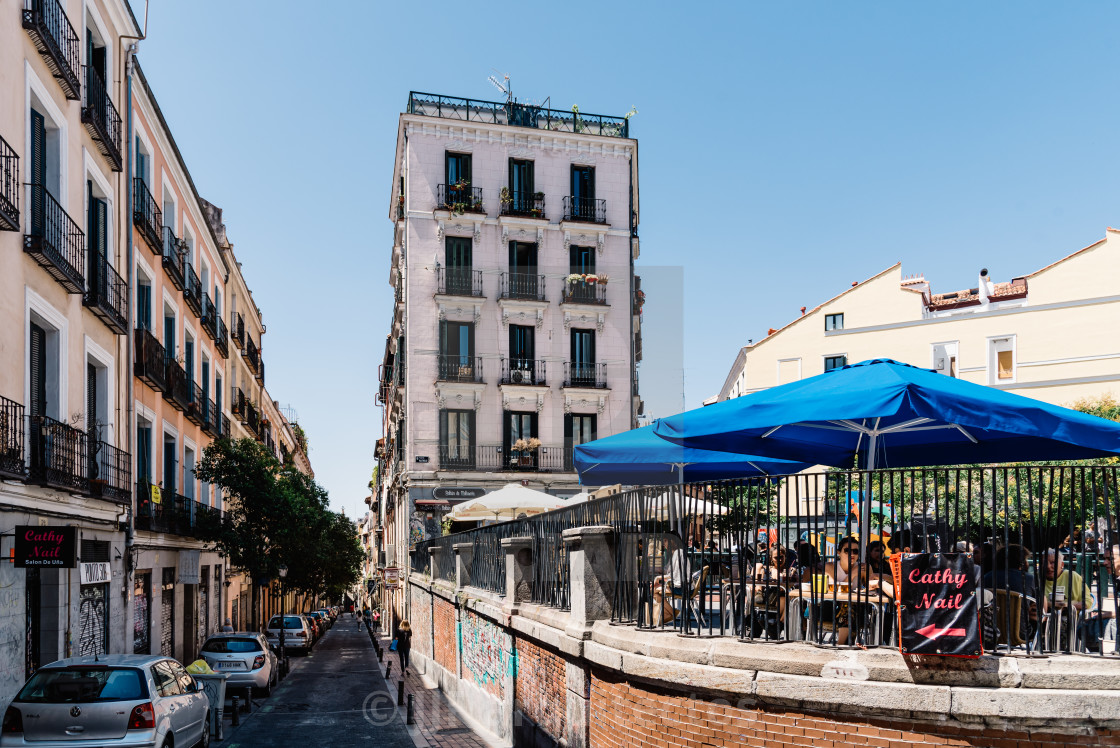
x=170, y=695
x=195, y=704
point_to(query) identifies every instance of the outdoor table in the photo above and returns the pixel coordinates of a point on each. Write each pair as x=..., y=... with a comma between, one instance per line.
x=800, y=598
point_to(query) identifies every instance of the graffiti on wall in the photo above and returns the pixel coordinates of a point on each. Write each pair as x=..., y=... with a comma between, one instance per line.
x=487, y=652
x=423, y=526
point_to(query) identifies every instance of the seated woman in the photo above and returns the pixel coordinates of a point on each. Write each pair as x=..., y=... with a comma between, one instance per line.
x=771, y=581
x=850, y=577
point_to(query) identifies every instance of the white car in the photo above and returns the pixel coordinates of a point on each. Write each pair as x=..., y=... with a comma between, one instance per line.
x=297, y=633
x=245, y=657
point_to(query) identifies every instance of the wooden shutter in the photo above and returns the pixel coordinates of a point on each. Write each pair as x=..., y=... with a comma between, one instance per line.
x=143, y=453
x=38, y=373
x=91, y=397
x=144, y=307
x=38, y=172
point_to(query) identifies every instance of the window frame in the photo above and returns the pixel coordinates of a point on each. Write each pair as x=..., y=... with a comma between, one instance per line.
x=842, y=357
x=830, y=322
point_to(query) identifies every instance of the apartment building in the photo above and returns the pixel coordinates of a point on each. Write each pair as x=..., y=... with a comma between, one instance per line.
x=515, y=323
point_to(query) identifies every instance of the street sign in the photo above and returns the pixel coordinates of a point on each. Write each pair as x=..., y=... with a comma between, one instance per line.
x=422, y=459
x=458, y=493
x=938, y=611
x=46, y=546
x=392, y=575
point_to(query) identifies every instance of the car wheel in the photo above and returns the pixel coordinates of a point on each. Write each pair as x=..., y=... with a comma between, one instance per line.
x=267, y=690
x=204, y=741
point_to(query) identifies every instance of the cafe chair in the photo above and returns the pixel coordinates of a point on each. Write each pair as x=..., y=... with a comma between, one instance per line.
x=1009, y=613
x=695, y=597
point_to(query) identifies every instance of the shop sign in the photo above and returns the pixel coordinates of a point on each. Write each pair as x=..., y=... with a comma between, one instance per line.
x=189, y=569
x=458, y=493
x=392, y=575
x=46, y=546
x=96, y=572
x=938, y=613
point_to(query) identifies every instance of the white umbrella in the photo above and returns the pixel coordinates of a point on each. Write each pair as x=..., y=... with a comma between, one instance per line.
x=508, y=502
x=662, y=506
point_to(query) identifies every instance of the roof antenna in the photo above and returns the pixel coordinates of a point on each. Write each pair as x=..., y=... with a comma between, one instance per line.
x=506, y=87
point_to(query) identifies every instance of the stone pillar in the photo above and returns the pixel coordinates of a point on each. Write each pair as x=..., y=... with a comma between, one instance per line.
x=578, y=703
x=464, y=555
x=591, y=555
x=519, y=570
x=433, y=561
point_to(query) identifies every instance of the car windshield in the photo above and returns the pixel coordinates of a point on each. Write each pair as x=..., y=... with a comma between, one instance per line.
x=81, y=685
x=224, y=644
x=290, y=622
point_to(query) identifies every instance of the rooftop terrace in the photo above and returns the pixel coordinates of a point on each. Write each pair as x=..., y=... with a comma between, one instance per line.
x=516, y=115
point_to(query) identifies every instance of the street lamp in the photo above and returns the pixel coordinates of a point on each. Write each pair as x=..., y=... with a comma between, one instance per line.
x=283, y=619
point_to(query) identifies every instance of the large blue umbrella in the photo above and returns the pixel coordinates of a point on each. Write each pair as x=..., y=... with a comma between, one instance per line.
x=641, y=457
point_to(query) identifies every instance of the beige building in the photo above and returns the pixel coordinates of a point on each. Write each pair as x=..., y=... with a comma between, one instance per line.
x=1042, y=334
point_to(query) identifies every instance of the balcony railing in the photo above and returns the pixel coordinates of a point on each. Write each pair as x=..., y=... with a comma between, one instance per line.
x=516, y=115
x=237, y=330
x=490, y=458
x=585, y=209
x=529, y=286
x=57, y=454
x=57, y=42
x=458, y=281
x=177, y=390
x=9, y=188
x=151, y=359
x=211, y=418
x=209, y=317
x=146, y=215
x=174, y=514
x=110, y=473
x=522, y=371
x=196, y=403
x=252, y=418
x=12, y=464
x=585, y=375
x=192, y=290
x=55, y=241
x=459, y=198
x=584, y=292
x=251, y=354
x=107, y=294
x=101, y=118
x=237, y=404
x=225, y=433
x=523, y=203
x=221, y=339
x=173, y=258
x=260, y=372
x=460, y=368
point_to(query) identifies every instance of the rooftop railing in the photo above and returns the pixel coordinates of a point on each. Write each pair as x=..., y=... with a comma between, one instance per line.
x=517, y=114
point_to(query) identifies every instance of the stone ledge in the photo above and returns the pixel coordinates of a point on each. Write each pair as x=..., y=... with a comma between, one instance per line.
x=851, y=697
x=1037, y=707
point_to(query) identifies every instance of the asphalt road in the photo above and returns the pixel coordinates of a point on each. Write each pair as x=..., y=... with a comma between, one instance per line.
x=335, y=696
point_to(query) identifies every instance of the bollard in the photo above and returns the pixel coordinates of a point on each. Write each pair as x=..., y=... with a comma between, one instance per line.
x=388, y=669
x=400, y=692
x=409, y=719
x=380, y=655
x=249, y=700
x=236, y=711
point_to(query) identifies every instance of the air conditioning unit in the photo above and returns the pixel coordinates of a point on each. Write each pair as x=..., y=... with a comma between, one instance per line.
x=521, y=376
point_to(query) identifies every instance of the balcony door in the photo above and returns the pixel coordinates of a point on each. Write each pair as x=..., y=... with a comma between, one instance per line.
x=456, y=348
x=583, y=357
x=38, y=172
x=518, y=429
x=581, y=261
x=170, y=467
x=458, y=168
x=579, y=428
x=38, y=371
x=523, y=270
x=583, y=192
x=97, y=231
x=457, y=257
x=521, y=186
x=456, y=438
x=522, y=353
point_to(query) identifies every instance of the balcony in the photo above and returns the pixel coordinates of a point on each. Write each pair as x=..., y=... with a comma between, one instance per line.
x=260, y=372
x=225, y=432
x=524, y=286
x=177, y=389
x=491, y=458
x=523, y=204
x=58, y=455
x=251, y=355
x=55, y=241
x=458, y=282
x=211, y=418
x=9, y=188
x=522, y=371
x=593, y=376
x=585, y=210
x=221, y=339
x=192, y=290
x=459, y=198
x=12, y=464
x=110, y=473
x=237, y=404
x=151, y=359
x=515, y=114
x=101, y=118
x=173, y=258
x=459, y=368
x=209, y=317
x=174, y=514
x=146, y=216
x=252, y=418
x=584, y=291
x=196, y=403
x=57, y=42
x=237, y=330
x=107, y=295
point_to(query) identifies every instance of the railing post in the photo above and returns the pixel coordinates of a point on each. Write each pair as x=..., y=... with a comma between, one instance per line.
x=464, y=556
x=591, y=556
x=433, y=561
x=519, y=570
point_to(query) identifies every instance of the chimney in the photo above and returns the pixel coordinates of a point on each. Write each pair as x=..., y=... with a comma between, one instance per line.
x=802, y=311
x=984, y=287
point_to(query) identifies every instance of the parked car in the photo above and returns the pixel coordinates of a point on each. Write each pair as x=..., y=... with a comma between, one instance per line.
x=316, y=632
x=117, y=699
x=297, y=633
x=245, y=657
x=321, y=620
x=326, y=616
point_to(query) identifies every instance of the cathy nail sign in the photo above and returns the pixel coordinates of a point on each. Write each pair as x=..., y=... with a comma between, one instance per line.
x=46, y=546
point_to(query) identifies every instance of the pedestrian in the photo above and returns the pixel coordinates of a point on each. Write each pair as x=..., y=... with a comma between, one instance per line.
x=404, y=644
x=358, y=619
x=227, y=627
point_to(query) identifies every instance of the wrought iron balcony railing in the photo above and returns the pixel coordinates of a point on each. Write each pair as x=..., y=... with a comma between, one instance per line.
x=196, y=403
x=57, y=454
x=522, y=371
x=192, y=290
x=251, y=355
x=209, y=317
x=174, y=262
x=225, y=433
x=528, y=286
x=523, y=203
x=107, y=294
x=177, y=390
x=459, y=198
x=237, y=330
x=55, y=240
x=110, y=472
x=57, y=42
x=9, y=188
x=584, y=292
x=237, y=403
x=260, y=372
x=460, y=368
x=211, y=418
x=585, y=375
x=146, y=215
x=12, y=464
x=585, y=210
x=491, y=458
x=174, y=514
x=252, y=418
x=454, y=281
x=151, y=359
x=101, y=118
x=516, y=115
x=221, y=336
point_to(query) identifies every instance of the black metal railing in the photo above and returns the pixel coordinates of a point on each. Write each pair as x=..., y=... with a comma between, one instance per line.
x=173, y=513
x=55, y=241
x=237, y=403
x=12, y=464
x=57, y=455
x=225, y=433
x=101, y=118
x=110, y=472
x=523, y=203
x=196, y=403
x=237, y=330
x=9, y=187
x=107, y=294
x=585, y=209
x=260, y=373
x=48, y=26
x=459, y=198
x=211, y=418
x=146, y=215
x=454, y=281
x=578, y=374
x=151, y=359
x=495, y=457
x=584, y=292
x=209, y=317
x=523, y=371
x=528, y=286
x=517, y=115
x=221, y=336
x=251, y=354
x=192, y=289
x=177, y=389
x=252, y=418
x=459, y=368
x=174, y=258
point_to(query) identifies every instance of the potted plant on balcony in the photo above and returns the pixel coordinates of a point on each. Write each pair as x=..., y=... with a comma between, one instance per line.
x=504, y=197
x=538, y=196
x=523, y=451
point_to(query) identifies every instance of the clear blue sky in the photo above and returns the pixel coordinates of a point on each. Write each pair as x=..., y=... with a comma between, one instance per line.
x=787, y=149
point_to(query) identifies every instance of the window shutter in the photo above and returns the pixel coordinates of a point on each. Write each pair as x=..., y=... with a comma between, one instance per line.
x=507, y=431
x=143, y=453
x=38, y=373
x=144, y=307
x=38, y=173
x=91, y=397
x=443, y=428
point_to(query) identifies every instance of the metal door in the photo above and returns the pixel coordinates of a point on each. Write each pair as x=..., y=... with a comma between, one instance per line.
x=203, y=606
x=34, y=598
x=167, y=614
x=93, y=620
x=142, y=614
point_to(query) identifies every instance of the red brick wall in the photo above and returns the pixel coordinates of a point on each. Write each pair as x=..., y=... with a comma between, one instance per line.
x=443, y=620
x=628, y=714
x=539, y=689
x=487, y=653
x=421, y=621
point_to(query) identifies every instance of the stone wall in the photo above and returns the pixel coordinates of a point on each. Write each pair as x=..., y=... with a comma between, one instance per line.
x=488, y=656
x=540, y=699
x=421, y=621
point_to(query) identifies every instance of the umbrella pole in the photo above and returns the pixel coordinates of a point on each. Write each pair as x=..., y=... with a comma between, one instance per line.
x=865, y=514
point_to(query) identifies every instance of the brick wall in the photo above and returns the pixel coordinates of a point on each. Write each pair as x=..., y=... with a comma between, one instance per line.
x=540, y=687
x=421, y=621
x=625, y=714
x=488, y=654
x=443, y=619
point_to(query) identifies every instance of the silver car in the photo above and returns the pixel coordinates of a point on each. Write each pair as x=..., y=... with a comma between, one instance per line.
x=118, y=700
x=245, y=657
x=297, y=633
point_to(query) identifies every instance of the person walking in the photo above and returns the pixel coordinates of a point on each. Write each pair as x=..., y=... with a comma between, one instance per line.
x=358, y=619
x=227, y=627
x=404, y=644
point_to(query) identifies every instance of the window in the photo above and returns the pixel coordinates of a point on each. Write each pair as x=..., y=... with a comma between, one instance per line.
x=143, y=302
x=97, y=397
x=835, y=362
x=169, y=331
x=456, y=352
x=170, y=464
x=165, y=680
x=522, y=344
x=458, y=168
x=833, y=322
x=143, y=450
x=456, y=438
x=945, y=359
x=143, y=162
x=188, y=473
x=583, y=193
x=579, y=429
x=44, y=369
x=518, y=429
x=521, y=186
x=583, y=358
x=1001, y=360
x=581, y=260
x=457, y=254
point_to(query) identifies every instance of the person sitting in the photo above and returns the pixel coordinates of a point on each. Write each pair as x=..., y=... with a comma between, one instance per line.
x=772, y=580
x=877, y=557
x=1065, y=588
x=1096, y=621
x=847, y=574
x=1009, y=572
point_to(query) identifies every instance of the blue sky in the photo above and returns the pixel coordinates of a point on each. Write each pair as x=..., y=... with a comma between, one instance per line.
x=786, y=150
